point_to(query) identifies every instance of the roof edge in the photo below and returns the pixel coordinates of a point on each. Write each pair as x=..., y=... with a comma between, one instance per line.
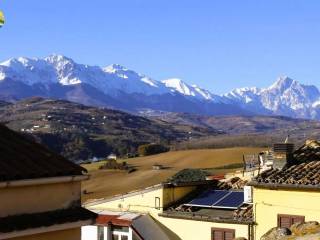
x=42, y=181
x=94, y=202
x=283, y=186
x=203, y=219
x=53, y=228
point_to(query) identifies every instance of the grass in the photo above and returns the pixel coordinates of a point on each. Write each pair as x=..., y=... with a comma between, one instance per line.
x=105, y=183
x=93, y=166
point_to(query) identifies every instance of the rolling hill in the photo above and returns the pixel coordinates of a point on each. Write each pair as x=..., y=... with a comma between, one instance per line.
x=105, y=183
x=81, y=132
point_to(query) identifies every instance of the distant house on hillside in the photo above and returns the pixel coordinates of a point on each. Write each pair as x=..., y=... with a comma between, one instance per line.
x=112, y=156
x=40, y=192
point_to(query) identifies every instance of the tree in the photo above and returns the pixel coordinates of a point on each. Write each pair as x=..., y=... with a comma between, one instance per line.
x=150, y=149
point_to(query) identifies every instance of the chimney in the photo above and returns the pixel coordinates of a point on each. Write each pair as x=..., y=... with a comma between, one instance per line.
x=282, y=154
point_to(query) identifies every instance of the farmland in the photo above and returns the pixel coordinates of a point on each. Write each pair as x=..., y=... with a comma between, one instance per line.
x=105, y=183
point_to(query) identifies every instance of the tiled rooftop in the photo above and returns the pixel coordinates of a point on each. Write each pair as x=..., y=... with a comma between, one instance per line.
x=304, y=171
x=300, y=174
x=21, y=158
x=242, y=215
x=308, y=152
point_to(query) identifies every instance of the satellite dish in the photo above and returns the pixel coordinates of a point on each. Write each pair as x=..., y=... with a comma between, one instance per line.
x=1, y=19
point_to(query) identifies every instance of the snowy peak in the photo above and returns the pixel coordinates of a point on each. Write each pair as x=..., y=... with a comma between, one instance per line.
x=177, y=85
x=282, y=84
x=135, y=79
x=114, y=68
x=58, y=59
x=284, y=97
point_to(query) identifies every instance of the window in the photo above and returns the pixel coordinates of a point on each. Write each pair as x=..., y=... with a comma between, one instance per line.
x=222, y=234
x=120, y=232
x=287, y=220
x=100, y=233
x=120, y=228
x=157, y=203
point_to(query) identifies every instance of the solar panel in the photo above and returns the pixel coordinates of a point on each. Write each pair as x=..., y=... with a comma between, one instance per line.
x=218, y=199
x=208, y=198
x=233, y=200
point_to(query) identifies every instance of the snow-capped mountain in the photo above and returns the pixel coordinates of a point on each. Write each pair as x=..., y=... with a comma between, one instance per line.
x=63, y=70
x=177, y=85
x=57, y=76
x=285, y=97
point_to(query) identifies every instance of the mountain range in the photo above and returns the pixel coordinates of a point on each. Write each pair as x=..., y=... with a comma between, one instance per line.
x=117, y=87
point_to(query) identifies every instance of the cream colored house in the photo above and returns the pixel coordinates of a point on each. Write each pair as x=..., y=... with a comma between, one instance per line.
x=40, y=192
x=282, y=197
x=164, y=203
x=283, y=206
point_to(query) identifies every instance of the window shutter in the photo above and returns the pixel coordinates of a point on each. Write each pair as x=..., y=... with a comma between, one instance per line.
x=297, y=219
x=223, y=234
x=285, y=222
x=228, y=235
x=218, y=235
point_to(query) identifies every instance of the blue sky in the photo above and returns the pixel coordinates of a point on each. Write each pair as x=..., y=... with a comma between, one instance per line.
x=219, y=45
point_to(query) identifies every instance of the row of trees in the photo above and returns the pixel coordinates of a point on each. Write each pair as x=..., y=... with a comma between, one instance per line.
x=150, y=149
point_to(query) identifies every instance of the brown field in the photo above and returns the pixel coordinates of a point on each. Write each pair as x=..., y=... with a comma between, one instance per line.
x=105, y=183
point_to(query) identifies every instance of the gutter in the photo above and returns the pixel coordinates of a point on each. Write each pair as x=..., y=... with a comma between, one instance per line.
x=203, y=218
x=42, y=181
x=44, y=229
x=283, y=186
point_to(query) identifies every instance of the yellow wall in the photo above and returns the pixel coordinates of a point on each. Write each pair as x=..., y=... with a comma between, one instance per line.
x=142, y=202
x=269, y=203
x=70, y=234
x=193, y=230
x=174, y=194
x=38, y=198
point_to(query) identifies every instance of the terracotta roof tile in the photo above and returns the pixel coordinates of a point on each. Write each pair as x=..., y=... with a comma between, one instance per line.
x=243, y=213
x=305, y=170
x=301, y=174
x=112, y=219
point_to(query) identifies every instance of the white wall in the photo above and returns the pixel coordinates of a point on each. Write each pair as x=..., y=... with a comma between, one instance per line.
x=89, y=233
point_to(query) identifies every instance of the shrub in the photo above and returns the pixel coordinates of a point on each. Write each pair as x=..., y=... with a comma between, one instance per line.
x=151, y=149
x=189, y=175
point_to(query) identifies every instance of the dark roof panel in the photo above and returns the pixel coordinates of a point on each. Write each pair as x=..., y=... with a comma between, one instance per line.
x=44, y=219
x=21, y=158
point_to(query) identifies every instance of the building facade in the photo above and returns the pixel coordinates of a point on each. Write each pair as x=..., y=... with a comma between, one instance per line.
x=284, y=197
x=40, y=192
x=163, y=204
